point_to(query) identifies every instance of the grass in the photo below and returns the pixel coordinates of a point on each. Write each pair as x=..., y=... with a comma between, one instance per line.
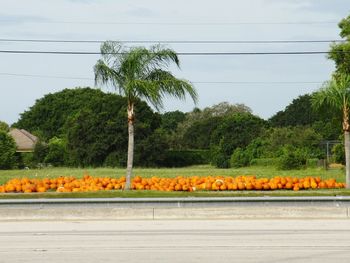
x=203, y=170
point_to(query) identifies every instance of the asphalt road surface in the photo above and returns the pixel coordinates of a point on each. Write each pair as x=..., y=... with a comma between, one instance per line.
x=176, y=241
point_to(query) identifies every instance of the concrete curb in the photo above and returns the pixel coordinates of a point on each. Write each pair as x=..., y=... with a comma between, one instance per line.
x=176, y=208
x=176, y=200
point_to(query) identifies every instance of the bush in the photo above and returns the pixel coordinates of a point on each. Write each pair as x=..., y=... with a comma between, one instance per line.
x=239, y=158
x=183, y=158
x=7, y=151
x=218, y=157
x=25, y=160
x=40, y=152
x=339, y=153
x=151, y=152
x=292, y=158
x=238, y=130
x=4, y=126
x=313, y=162
x=115, y=159
x=264, y=162
x=57, y=152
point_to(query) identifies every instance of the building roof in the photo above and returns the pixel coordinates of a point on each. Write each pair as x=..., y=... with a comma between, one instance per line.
x=25, y=141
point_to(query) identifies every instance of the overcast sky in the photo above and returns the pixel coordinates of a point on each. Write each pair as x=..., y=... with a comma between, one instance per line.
x=171, y=20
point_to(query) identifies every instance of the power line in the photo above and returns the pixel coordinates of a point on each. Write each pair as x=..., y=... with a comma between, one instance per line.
x=257, y=82
x=178, y=53
x=195, y=82
x=176, y=41
x=164, y=23
x=43, y=76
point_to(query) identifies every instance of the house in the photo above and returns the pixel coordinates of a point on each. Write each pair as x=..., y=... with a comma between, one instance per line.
x=25, y=141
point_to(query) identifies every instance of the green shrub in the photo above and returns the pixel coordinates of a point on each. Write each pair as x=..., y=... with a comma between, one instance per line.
x=57, y=152
x=152, y=151
x=25, y=160
x=339, y=153
x=115, y=159
x=218, y=157
x=264, y=162
x=7, y=151
x=234, y=131
x=312, y=162
x=239, y=158
x=292, y=158
x=181, y=158
x=4, y=126
x=40, y=152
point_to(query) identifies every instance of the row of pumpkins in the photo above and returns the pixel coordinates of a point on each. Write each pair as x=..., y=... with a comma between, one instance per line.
x=180, y=183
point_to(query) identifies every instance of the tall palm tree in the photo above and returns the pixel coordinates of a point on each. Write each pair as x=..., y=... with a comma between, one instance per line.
x=336, y=95
x=140, y=73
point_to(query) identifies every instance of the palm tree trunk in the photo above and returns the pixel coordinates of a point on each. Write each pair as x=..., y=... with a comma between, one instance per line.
x=347, y=157
x=346, y=129
x=131, y=118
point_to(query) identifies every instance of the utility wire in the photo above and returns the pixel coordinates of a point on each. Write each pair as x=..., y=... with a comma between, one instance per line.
x=43, y=76
x=175, y=41
x=178, y=23
x=178, y=53
x=195, y=82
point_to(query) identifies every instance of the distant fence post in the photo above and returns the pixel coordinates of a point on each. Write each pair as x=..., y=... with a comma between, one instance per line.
x=328, y=145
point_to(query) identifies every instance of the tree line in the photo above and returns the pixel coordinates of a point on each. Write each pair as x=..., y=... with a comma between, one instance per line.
x=86, y=127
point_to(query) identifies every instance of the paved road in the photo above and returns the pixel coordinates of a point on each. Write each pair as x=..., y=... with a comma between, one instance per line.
x=176, y=241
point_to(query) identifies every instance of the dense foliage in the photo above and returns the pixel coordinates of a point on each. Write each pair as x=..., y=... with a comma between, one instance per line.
x=285, y=147
x=88, y=126
x=4, y=126
x=234, y=131
x=301, y=113
x=48, y=116
x=340, y=52
x=7, y=151
x=95, y=133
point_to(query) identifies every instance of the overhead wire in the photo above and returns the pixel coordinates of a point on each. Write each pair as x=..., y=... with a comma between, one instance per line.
x=178, y=53
x=165, y=23
x=176, y=41
x=195, y=82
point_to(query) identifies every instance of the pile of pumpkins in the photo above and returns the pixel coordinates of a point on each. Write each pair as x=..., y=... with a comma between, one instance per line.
x=180, y=183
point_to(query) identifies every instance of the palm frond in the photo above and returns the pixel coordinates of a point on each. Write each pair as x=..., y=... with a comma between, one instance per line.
x=105, y=75
x=141, y=72
x=334, y=93
x=169, y=85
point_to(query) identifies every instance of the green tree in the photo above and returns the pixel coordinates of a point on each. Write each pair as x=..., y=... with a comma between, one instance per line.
x=7, y=151
x=171, y=119
x=57, y=152
x=4, y=126
x=301, y=113
x=234, y=131
x=299, y=137
x=140, y=73
x=336, y=94
x=198, y=135
x=298, y=112
x=48, y=116
x=40, y=152
x=94, y=135
x=340, y=52
x=196, y=129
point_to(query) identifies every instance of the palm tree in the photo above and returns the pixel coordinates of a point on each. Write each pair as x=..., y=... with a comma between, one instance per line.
x=140, y=73
x=336, y=95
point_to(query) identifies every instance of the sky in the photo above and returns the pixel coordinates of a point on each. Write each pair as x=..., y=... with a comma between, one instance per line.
x=261, y=82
